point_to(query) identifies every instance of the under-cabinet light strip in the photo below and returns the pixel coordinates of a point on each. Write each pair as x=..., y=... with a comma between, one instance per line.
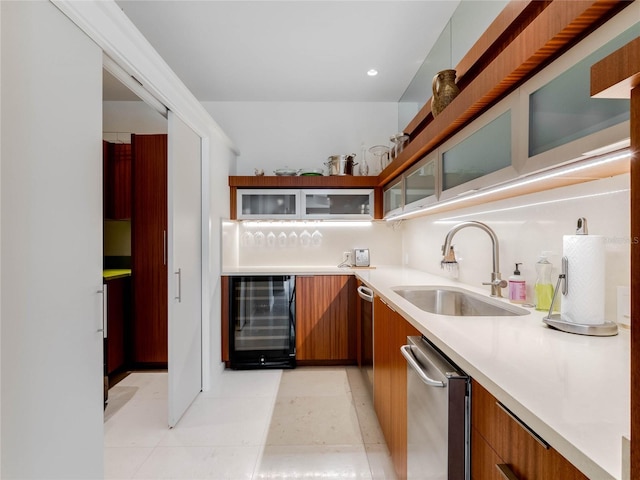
x=528, y=180
x=305, y=223
x=456, y=218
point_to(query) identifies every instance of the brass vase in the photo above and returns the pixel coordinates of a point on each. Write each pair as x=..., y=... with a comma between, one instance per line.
x=444, y=90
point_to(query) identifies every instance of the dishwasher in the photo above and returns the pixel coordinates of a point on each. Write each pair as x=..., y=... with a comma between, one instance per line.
x=438, y=414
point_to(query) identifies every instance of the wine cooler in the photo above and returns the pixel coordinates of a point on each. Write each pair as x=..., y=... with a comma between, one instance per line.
x=262, y=322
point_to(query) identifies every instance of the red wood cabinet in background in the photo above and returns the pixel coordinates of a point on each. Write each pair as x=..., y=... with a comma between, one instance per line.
x=149, y=250
x=117, y=186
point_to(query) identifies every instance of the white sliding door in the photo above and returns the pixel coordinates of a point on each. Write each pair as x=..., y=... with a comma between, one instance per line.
x=185, y=267
x=51, y=246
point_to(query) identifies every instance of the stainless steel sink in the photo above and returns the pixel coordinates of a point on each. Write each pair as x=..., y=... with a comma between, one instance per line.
x=456, y=302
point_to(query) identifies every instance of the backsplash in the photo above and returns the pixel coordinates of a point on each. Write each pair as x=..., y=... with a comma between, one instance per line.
x=307, y=243
x=526, y=226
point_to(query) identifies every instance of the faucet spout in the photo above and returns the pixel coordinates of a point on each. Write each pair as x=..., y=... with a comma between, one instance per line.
x=496, y=280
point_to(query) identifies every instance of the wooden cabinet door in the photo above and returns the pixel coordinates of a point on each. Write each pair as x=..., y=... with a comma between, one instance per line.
x=382, y=366
x=507, y=440
x=117, y=180
x=484, y=459
x=325, y=318
x=118, y=307
x=148, y=249
x=390, y=332
x=401, y=329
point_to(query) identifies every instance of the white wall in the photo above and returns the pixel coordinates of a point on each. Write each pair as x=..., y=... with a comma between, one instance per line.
x=525, y=226
x=221, y=158
x=121, y=118
x=273, y=135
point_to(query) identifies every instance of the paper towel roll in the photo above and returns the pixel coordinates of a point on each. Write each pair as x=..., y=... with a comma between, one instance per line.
x=584, y=302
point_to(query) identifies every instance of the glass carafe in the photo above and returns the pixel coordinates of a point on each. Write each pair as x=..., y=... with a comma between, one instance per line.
x=381, y=155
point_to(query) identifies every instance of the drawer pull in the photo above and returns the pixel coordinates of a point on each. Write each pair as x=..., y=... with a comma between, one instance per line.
x=528, y=429
x=506, y=471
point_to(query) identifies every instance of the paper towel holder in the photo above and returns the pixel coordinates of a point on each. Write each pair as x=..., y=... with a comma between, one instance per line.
x=555, y=320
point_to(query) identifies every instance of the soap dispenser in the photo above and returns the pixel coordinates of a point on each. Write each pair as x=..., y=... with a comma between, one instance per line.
x=543, y=286
x=517, y=287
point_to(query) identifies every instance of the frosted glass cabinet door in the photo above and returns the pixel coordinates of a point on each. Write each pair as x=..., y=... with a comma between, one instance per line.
x=393, y=198
x=563, y=111
x=485, y=151
x=420, y=183
x=268, y=204
x=349, y=203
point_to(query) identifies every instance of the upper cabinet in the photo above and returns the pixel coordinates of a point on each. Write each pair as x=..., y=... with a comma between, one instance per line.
x=556, y=111
x=316, y=204
x=343, y=204
x=415, y=189
x=116, y=161
x=482, y=154
x=393, y=198
x=343, y=197
x=421, y=183
x=268, y=204
x=550, y=121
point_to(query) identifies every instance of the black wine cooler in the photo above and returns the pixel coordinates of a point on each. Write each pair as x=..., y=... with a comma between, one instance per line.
x=262, y=322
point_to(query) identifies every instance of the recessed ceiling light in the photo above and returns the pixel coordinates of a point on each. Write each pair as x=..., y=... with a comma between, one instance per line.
x=373, y=72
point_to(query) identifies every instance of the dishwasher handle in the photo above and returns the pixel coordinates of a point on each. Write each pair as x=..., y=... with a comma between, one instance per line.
x=413, y=363
x=365, y=293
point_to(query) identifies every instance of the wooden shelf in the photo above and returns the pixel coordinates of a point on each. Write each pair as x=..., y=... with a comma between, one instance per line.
x=619, y=73
x=303, y=181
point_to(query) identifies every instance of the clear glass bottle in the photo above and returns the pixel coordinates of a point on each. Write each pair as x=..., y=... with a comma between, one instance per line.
x=543, y=286
x=363, y=169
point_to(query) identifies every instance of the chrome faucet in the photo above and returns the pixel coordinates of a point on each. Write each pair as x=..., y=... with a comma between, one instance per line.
x=497, y=284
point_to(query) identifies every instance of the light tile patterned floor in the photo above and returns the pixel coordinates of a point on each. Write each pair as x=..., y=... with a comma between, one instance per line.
x=311, y=423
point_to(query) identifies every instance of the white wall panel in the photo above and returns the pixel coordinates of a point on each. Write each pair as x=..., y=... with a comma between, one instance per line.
x=52, y=365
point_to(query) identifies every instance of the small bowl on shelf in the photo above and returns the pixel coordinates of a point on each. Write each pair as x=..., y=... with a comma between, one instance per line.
x=286, y=172
x=311, y=172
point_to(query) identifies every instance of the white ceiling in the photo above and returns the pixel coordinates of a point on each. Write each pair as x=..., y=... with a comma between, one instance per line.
x=290, y=50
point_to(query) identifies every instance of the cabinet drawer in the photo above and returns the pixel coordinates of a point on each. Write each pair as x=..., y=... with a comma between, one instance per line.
x=527, y=455
x=484, y=459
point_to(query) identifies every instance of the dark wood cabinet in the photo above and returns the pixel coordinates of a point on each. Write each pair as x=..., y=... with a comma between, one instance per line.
x=325, y=319
x=149, y=250
x=498, y=440
x=390, y=332
x=118, y=322
x=116, y=180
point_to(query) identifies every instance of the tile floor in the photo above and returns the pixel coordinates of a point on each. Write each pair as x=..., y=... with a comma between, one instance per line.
x=311, y=423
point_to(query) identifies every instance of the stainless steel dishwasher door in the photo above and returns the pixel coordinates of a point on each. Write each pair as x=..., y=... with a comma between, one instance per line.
x=437, y=415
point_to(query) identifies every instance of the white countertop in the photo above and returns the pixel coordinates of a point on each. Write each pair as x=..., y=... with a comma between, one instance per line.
x=573, y=390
